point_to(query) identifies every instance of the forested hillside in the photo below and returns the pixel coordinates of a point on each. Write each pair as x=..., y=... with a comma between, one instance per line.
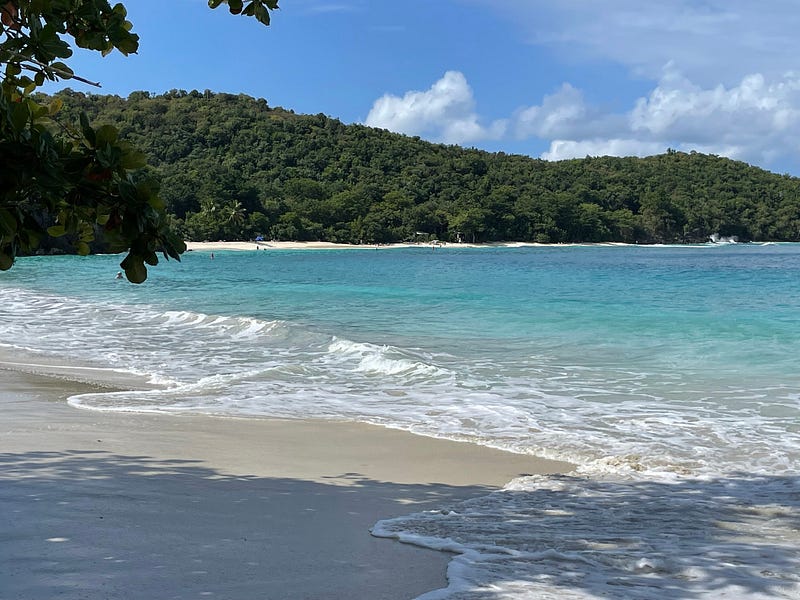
x=232, y=167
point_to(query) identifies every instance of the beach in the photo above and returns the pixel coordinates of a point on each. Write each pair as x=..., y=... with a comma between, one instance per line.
x=272, y=421
x=121, y=505
x=276, y=245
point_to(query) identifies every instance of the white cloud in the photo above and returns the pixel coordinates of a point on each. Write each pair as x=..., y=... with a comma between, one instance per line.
x=564, y=114
x=756, y=120
x=754, y=107
x=445, y=112
x=564, y=149
x=558, y=113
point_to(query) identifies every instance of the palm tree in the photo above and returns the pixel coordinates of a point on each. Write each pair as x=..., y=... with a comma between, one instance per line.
x=235, y=215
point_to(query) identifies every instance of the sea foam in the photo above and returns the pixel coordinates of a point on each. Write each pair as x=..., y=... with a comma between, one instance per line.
x=576, y=538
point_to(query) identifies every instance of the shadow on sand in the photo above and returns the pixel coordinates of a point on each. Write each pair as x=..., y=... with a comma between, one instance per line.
x=91, y=524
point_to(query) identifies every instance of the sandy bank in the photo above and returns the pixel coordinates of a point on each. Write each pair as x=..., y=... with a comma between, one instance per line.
x=215, y=246
x=142, y=506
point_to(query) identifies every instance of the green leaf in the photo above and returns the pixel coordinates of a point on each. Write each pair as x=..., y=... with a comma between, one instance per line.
x=62, y=70
x=214, y=3
x=262, y=14
x=49, y=45
x=106, y=134
x=6, y=261
x=133, y=160
x=19, y=116
x=173, y=246
x=156, y=202
x=55, y=106
x=134, y=268
x=129, y=44
x=87, y=130
x=8, y=223
x=108, y=157
x=56, y=231
x=82, y=248
x=37, y=110
x=120, y=10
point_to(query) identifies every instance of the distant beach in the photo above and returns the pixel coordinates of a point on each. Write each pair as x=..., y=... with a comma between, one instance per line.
x=215, y=246
x=278, y=245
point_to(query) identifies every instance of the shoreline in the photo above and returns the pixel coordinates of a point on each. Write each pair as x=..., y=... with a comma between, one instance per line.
x=270, y=245
x=273, y=245
x=232, y=507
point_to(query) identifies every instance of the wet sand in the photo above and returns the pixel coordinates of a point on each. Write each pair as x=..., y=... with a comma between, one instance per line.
x=117, y=505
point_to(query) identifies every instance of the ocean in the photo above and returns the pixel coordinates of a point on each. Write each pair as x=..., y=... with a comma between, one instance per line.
x=668, y=374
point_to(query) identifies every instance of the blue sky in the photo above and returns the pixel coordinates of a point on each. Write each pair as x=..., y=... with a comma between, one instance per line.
x=548, y=79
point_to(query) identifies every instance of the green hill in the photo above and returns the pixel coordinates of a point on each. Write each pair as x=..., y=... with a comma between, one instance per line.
x=232, y=167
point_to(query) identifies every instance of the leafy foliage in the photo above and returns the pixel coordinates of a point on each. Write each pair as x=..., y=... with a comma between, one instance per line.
x=66, y=177
x=255, y=8
x=231, y=168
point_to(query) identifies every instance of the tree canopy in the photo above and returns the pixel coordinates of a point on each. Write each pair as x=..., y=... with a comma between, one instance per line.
x=68, y=177
x=232, y=167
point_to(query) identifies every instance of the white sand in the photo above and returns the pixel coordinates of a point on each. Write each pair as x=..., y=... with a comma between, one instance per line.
x=215, y=246
x=123, y=506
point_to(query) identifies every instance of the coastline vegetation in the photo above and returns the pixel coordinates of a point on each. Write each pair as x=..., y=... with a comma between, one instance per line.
x=232, y=167
x=76, y=176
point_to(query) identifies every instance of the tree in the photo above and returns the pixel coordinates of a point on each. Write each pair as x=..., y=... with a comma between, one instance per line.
x=352, y=183
x=60, y=179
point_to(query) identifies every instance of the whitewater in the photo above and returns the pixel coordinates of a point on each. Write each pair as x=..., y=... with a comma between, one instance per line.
x=667, y=375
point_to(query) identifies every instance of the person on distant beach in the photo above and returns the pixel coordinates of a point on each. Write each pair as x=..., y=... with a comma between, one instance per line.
x=212, y=256
x=118, y=275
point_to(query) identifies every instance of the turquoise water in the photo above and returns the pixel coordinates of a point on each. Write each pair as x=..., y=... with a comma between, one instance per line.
x=646, y=366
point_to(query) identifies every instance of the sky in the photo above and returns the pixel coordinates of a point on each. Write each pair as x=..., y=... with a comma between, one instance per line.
x=549, y=79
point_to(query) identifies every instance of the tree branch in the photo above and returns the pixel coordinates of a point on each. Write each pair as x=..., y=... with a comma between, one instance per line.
x=48, y=68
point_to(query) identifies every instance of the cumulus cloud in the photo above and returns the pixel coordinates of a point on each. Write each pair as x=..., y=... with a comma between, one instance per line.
x=445, y=112
x=564, y=149
x=756, y=120
x=557, y=115
x=564, y=114
x=754, y=106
